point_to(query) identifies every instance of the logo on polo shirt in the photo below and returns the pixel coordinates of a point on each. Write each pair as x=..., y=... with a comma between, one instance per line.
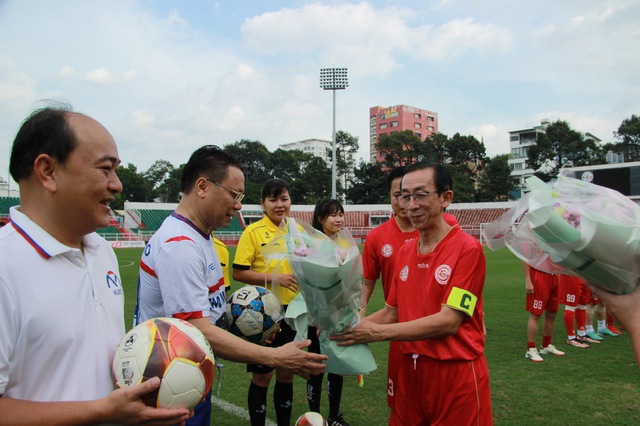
x=443, y=273
x=387, y=250
x=404, y=273
x=113, y=282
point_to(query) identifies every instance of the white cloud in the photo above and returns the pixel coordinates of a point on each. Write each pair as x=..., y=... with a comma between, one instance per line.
x=17, y=88
x=370, y=40
x=168, y=79
x=142, y=117
x=494, y=137
x=105, y=77
x=66, y=73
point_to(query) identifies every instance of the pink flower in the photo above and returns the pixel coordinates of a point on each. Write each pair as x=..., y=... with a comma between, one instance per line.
x=572, y=218
x=301, y=251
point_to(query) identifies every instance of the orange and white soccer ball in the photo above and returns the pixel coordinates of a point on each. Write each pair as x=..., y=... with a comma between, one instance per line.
x=173, y=350
x=311, y=419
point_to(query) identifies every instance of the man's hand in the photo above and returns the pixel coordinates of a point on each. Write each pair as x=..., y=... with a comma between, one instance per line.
x=363, y=332
x=293, y=359
x=124, y=406
x=624, y=308
x=529, y=287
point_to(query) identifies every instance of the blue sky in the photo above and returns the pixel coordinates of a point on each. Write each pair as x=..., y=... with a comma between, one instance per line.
x=168, y=76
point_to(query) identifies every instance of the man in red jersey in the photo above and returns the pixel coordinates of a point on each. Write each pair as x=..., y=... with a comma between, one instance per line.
x=574, y=295
x=434, y=309
x=542, y=298
x=378, y=259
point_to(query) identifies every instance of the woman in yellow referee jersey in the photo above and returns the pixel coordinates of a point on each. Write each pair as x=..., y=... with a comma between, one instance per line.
x=251, y=267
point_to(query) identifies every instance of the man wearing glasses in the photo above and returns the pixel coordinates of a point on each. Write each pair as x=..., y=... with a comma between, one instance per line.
x=379, y=258
x=181, y=277
x=434, y=309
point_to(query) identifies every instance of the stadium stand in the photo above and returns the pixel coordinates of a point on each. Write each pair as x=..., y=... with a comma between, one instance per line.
x=108, y=231
x=152, y=219
x=140, y=220
x=6, y=203
x=144, y=218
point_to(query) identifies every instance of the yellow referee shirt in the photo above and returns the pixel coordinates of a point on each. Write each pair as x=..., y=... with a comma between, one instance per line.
x=248, y=255
x=223, y=255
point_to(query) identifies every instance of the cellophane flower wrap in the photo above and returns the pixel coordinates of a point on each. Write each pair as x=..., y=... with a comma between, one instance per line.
x=575, y=227
x=329, y=274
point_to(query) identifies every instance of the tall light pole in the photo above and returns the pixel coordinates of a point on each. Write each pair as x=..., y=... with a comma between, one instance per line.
x=333, y=79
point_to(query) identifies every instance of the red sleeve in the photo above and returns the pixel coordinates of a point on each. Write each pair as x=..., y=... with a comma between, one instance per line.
x=370, y=261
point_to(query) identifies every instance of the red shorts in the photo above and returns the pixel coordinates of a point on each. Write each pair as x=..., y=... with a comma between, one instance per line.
x=433, y=392
x=395, y=356
x=545, y=293
x=573, y=291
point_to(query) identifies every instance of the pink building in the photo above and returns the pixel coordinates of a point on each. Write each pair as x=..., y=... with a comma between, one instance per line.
x=386, y=120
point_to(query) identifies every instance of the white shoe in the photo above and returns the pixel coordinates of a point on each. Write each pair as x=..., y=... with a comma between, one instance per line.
x=551, y=350
x=533, y=355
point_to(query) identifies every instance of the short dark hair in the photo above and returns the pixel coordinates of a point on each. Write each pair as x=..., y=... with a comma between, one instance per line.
x=273, y=188
x=325, y=208
x=45, y=131
x=394, y=174
x=209, y=161
x=441, y=175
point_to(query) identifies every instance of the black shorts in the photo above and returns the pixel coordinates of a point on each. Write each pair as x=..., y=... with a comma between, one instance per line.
x=284, y=336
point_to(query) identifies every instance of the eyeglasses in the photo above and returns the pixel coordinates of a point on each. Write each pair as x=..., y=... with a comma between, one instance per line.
x=237, y=196
x=418, y=197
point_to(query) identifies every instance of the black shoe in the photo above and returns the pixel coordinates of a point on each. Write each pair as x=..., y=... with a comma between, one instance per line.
x=337, y=421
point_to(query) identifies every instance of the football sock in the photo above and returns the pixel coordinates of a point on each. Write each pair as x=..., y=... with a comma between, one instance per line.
x=546, y=341
x=610, y=320
x=531, y=345
x=568, y=317
x=283, y=400
x=581, y=318
x=334, y=388
x=602, y=325
x=257, y=399
x=314, y=392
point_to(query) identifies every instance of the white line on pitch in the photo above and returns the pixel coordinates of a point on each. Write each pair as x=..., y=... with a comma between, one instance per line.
x=235, y=410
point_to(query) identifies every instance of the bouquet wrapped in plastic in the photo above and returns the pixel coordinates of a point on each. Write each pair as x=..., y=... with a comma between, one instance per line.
x=329, y=274
x=574, y=227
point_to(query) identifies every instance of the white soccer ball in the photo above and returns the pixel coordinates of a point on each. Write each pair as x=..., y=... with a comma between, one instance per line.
x=311, y=419
x=173, y=350
x=253, y=313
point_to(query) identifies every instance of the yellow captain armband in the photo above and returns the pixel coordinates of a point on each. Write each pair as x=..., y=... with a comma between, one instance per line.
x=462, y=300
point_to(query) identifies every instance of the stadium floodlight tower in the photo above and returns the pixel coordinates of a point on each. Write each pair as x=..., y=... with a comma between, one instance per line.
x=333, y=79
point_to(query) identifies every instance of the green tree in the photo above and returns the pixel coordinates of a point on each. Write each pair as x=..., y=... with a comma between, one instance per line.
x=404, y=148
x=134, y=187
x=314, y=183
x=346, y=150
x=158, y=175
x=561, y=146
x=172, y=185
x=463, y=185
x=369, y=185
x=438, y=141
x=466, y=151
x=494, y=180
x=254, y=158
x=289, y=166
x=550, y=152
x=629, y=135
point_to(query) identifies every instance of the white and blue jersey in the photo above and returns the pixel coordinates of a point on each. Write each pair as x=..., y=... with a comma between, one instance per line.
x=180, y=275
